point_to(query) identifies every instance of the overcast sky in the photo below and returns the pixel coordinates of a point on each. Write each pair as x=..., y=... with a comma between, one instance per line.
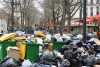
x=1, y=3
x=37, y=5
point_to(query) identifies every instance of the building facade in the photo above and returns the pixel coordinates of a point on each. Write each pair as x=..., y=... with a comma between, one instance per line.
x=92, y=8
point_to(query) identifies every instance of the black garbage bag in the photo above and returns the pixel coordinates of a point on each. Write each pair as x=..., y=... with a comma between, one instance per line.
x=68, y=42
x=9, y=62
x=89, y=61
x=74, y=62
x=40, y=65
x=49, y=56
x=68, y=54
x=97, y=48
x=92, y=52
x=53, y=39
x=79, y=44
x=65, y=63
x=35, y=65
x=64, y=48
x=97, y=62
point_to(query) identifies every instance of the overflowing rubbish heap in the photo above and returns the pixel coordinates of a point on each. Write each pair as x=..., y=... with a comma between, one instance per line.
x=45, y=50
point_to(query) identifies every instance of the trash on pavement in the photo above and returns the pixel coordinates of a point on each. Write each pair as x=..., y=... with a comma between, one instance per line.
x=9, y=62
x=26, y=63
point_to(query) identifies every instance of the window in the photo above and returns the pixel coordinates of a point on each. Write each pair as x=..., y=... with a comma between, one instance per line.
x=86, y=11
x=91, y=11
x=97, y=8
x=97, y=2
x=91, y=1
x=88, y=2
x=1, y=25
x=94, y=1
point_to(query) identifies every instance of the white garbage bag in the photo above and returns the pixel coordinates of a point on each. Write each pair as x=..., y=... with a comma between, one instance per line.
x=58, y=37
x=40, y=41
x=26, y=63
x=48, y=37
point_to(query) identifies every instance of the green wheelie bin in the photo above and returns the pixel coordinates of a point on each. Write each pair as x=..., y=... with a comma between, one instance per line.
x=58, y=45
x=32, y=50
x=3, y=46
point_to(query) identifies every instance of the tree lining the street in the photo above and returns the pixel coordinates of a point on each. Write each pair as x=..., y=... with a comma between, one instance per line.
x=26, y=8
x=53, y=10
x=64, y=9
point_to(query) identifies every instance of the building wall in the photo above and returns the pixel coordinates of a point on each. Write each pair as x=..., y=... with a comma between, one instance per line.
x=92, y=8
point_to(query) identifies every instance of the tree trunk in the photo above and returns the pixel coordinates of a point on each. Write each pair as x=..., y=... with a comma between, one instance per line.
x=63, y=18
x=69, y=19
x=8, y=21
x=28, y=19
x=25, y=21
x=95, y=27
x=23, y=25
x=54, y=21
x=21, y=20
x=57, y=18
x=62, y=24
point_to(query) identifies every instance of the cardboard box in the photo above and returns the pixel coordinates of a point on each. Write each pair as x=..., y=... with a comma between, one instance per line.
x=14, y=54
x=96, y=65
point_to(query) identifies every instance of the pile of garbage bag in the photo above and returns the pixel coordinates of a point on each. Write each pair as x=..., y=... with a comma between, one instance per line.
x=9, y=62
x=72, y=54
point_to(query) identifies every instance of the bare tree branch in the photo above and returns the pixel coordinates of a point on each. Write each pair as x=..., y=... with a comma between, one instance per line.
x=6, y=1
x=75, y=12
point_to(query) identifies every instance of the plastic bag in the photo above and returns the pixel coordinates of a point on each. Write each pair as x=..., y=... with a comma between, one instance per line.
x=9, y=62
x=80, y=36
x=48, y=55
x=65, y=63
x=97, y=62
x=41, y=65
x=88, y=61
x=67, y=37
x=19, y=33
x=48, y=37
x=58, y=37
x=39, y=41
x=26, y=63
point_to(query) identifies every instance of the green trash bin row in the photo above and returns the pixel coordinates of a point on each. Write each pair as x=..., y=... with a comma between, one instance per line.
x=3, y=46
x=32, y=49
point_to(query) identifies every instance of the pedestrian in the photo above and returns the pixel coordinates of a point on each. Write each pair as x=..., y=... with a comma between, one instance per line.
x=98, y=33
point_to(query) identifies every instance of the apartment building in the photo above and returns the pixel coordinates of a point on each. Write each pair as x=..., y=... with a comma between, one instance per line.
x=92, y=8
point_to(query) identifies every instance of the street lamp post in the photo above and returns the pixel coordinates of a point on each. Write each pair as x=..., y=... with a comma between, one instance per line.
x=84, y=21
x=80, y=16
x=12, y=16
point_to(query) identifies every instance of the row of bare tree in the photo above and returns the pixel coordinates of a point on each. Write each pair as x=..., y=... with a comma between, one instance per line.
x=53, y=10
x=64, y=9
x=28, y=12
